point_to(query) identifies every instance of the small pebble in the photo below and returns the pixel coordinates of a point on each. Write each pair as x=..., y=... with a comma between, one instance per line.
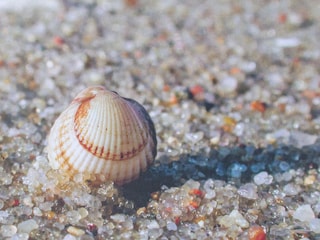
x=209, y=189
x=75, y=231
x=171, y=226
x=287, y=42
x=263, y=178
x=234, y=218
x=153, y=224
x=248, y=191
x=227, y=85
x=8, y=230
x=309, y=180
x=315, y=225
x=73, y=216
x=194, y=137
x=119, y=218
x=304, y=213
x=27, y=226
x=69, y=237
x=291, y=189
x=20, y=236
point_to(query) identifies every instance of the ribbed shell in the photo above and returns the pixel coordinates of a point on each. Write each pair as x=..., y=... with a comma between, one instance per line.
x=101, y=133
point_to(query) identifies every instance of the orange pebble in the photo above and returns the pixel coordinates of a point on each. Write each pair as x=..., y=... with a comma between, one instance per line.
x=198, y=219
x=310, y=94
x=194, y=204
x=282, y=18
x=256, y=232
x=173, y=100
x=229, y=124
x=258, y=106
x=166, y=88
x=58, y=41
x=282, y=107
x=195, y=90
x=50, y=215
x=235, y=70
x=196, y=192
x=131, y=3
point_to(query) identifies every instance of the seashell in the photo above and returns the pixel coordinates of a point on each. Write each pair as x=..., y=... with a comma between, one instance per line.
x=104, y=135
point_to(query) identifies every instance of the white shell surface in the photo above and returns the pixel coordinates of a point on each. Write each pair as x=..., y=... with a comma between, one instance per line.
x=101, y=133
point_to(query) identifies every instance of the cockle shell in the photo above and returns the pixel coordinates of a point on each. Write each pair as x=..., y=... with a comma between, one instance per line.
x=103, y=134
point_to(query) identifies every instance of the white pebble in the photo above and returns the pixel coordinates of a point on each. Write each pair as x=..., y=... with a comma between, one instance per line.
x=3, y=216
x=263, y=178
x=191, y=184
x=304, y=213
x=171, y=226
x=8, y=230
x=300, y=139
x=37, y=211
x=118, y=218
x=201, y=223
x=69, y=237
x=153, y=224
x=46, y=206
x=155, y=233
x=315, y=225
x=27, y=201
x=234, y=218
x=20, y=236
x=287, y=42
x=248, y=191
x=239, y=219
x=227, y=85
x=291, y=189
x=287, y=176
x=209, y=189
x=27, y=226
x=73, y=216
x=194, y=137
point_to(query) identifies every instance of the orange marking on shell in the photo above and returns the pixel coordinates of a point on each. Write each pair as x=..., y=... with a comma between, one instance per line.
x=88, y=94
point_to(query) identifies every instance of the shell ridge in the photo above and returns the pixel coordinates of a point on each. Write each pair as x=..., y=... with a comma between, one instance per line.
x=124, y=166
x=106, y=140
x=96, y=131
x=148, y=122
x=80, y=123
x=104, y=134
x=87, y=136
x=103, y=130
x=129, y=143
x=118, y=137
x=136, y=139
x=142, y=138
x=110, y=143
x=64, y=130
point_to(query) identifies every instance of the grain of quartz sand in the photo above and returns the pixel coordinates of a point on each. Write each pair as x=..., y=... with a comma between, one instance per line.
x=232, y=89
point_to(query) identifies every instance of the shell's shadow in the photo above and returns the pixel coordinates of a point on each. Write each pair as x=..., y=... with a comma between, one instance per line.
x=234, y=164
